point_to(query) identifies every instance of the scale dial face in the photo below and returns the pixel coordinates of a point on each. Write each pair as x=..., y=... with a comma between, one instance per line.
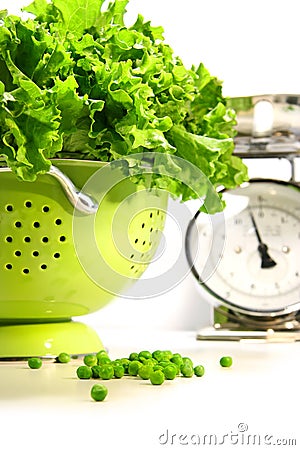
x=248, y=257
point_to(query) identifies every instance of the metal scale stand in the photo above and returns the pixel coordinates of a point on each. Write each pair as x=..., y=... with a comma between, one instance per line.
x=251, y=301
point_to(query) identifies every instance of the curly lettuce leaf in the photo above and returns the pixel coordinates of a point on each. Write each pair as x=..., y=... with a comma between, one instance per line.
x=75, y=82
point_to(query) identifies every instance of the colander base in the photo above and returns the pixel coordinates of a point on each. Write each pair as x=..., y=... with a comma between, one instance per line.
x=47, y=339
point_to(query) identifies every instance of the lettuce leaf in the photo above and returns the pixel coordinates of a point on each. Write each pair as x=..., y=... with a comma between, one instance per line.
x=75, y=82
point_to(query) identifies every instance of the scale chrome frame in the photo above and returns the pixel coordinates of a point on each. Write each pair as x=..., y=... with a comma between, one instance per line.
x=279, y=138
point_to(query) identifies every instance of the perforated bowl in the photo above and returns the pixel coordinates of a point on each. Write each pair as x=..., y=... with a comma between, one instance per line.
x=43, y=281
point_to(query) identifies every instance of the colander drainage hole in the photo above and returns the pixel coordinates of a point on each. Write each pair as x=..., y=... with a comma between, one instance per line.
x=35, y=253
x=27, y=239
x=26, y=271
x=18, y=253
x=58, y=222
x=9, y=239
x=62, y=238
x=45, y=209
x=18, y=224
x=28, y=204
x=45, y=239
x=36, y=224
x=8, y=266
x=9, y=208
x=56, y=255
x=44, y=266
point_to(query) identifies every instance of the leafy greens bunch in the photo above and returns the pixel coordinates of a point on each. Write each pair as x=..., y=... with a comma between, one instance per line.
x=75, y=82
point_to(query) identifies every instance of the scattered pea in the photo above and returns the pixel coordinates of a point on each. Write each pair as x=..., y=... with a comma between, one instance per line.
x=103, y=360
x=157, y=377
x=187, y=370
x=199, y=370
x=84, y=372
x=35, y=363
x=157, y=367
x=101, y=353
x=106, y=371
x=145, y=372
x=167, y=354
x=134, y=356
x=158, y=355
x=226, y=361
x=125, y=363
x=170, y=372
x=63, y=358
x=134, y=367
x=186, y=360
x=145, y=354
x=99, y=392
x=177, y=359
x=95, y=371
x=150, y=362
x=90, y=360
x=118, y=371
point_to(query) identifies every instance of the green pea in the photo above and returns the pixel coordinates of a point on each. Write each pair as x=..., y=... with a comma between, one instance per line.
x=35, y=363
x=199, y=370
x=158, y=355
x=145, y=354
x=177, y=359
x=177, y=368
x=125, y=363
x=167, y=354
x=95, y=371
x=157, y=377
x=103, y=360
x=170, y=372
x=186, y=360
x=226, y=361
x=106, y=371
x=116, y=362
x=187, y=370
x=150, y=362
x=90, y=360
x=134, y=367
x=99, y=392
x=145, y=372
x=63, y=358
x=118, y=370
x=101, y=352
x=84, y=372
x=164, y=363
x=157, y=367
x=134, y=356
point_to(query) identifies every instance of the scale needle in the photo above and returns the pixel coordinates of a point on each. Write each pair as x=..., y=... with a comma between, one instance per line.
x=266, y=260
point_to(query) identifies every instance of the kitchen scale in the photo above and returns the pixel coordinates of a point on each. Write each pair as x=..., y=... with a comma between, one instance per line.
x=246, y=260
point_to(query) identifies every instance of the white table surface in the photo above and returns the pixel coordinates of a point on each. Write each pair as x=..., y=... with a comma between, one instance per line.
x=255, y=401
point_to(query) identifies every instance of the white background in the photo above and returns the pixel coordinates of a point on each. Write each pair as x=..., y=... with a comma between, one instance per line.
x=253, y=47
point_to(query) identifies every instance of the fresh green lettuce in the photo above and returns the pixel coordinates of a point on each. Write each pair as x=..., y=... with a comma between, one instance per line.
x=75, y=82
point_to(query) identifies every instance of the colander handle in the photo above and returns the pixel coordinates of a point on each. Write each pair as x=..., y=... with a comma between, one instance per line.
x=82, y=202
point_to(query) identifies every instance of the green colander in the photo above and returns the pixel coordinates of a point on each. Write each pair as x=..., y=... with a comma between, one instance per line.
x=44, y=284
